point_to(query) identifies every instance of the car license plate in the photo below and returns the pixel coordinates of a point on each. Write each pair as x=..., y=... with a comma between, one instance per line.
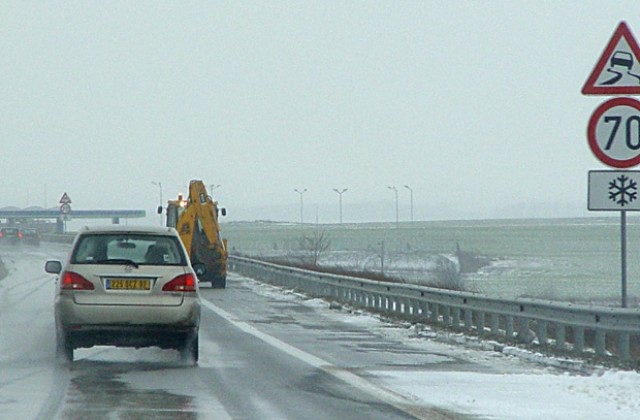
x=128, y=284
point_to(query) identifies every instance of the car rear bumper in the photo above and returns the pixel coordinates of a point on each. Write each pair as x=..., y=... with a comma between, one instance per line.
x=70, y=313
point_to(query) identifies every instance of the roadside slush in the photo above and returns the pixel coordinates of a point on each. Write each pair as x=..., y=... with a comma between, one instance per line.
x=3, y=270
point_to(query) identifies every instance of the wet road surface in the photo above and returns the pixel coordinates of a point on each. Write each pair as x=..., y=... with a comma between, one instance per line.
x=264, y=354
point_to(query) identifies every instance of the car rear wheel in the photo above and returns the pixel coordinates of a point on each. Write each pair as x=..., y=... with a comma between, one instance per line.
x=189, y=351
x=64, y=348
x=219, y=283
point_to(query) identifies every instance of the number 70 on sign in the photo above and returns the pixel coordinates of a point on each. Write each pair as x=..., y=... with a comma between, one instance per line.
x=614, y=132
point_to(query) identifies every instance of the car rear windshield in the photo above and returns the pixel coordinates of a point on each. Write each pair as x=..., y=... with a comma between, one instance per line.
x=128, y=248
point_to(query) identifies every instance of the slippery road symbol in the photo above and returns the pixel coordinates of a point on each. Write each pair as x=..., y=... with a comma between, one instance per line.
x=617, y=71
x=620, y=59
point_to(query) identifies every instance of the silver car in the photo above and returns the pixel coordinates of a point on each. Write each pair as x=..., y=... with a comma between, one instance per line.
x=127, y=287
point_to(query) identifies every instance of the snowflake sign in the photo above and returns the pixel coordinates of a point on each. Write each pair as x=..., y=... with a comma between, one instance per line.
x=623, y=190
x=614, y=190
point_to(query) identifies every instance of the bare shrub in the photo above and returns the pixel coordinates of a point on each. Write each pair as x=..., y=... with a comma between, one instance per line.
x=447, y=275
x=313, y=246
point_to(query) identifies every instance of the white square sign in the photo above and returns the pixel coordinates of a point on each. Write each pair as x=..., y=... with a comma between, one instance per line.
x=614, y=190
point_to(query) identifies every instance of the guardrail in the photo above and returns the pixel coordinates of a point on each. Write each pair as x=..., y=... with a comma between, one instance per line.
x=603, y=332
x=66, y=238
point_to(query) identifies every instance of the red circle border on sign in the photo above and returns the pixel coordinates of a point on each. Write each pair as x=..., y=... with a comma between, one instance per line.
x=591, y=132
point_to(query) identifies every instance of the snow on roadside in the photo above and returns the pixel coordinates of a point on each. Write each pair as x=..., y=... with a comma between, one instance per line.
x=520, y=385
x=523, y=396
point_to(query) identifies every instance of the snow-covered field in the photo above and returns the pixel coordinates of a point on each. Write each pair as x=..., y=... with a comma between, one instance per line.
x=561, y=259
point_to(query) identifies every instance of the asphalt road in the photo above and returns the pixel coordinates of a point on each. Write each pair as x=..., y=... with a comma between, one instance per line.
x=264, y=354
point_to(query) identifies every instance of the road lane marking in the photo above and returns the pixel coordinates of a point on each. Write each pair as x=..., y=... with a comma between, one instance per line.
x=380, y=393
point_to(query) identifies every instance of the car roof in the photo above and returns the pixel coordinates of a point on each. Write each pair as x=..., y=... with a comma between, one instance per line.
x=142, y=229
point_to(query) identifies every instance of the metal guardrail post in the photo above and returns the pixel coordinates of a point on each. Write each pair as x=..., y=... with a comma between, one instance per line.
x=423, y=309
x=456, y=317
x=446, y=315
x=600, y=345
x=387, y=305
x=468, y=319
x=379, y=301
x=495, y=323
x=624, y=347
x=480, y=322
x=578, y=339
x=542, y=332
x=561, y=336
x=435, y=313
x=524, y=330
x=508, y=327
x=406, y=307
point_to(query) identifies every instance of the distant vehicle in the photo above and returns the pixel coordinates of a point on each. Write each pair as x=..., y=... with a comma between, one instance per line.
x=196, y=220
x=127, y=286
x=622, y=58
x=29, y=236
x=10, y=235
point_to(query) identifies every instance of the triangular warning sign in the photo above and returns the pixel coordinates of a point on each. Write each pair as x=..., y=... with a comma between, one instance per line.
x=65, y=199
x=618, y=70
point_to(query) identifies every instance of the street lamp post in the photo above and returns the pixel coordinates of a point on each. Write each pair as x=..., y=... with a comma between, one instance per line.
x=159, y=185
x=301, y=203
x=340, y=192
x=213, y=187
x=381, y=257
x=395, y=190
x=410, y=191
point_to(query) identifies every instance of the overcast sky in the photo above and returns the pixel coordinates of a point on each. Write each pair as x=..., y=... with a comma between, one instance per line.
x=475, y=105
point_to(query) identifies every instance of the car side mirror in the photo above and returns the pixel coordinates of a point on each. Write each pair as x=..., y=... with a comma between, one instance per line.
x=223, y=211
x=159, y=210
x=200, y=269
x=53, y=267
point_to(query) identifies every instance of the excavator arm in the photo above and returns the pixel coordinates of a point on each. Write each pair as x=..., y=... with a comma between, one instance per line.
x=199, y=230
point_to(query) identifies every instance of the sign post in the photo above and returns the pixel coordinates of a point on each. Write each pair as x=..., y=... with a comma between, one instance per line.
x=623, y=257
x=614, y=134
x=616, y=191
x=65, y=209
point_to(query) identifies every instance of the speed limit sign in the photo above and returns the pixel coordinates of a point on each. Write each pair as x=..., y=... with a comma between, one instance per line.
x=614, y=132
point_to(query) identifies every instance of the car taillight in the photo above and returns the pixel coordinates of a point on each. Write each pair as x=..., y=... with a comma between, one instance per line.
x=182, y=283
x=74, y=281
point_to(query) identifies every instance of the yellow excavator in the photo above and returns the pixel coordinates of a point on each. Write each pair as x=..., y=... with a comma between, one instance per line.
x=196, y=220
